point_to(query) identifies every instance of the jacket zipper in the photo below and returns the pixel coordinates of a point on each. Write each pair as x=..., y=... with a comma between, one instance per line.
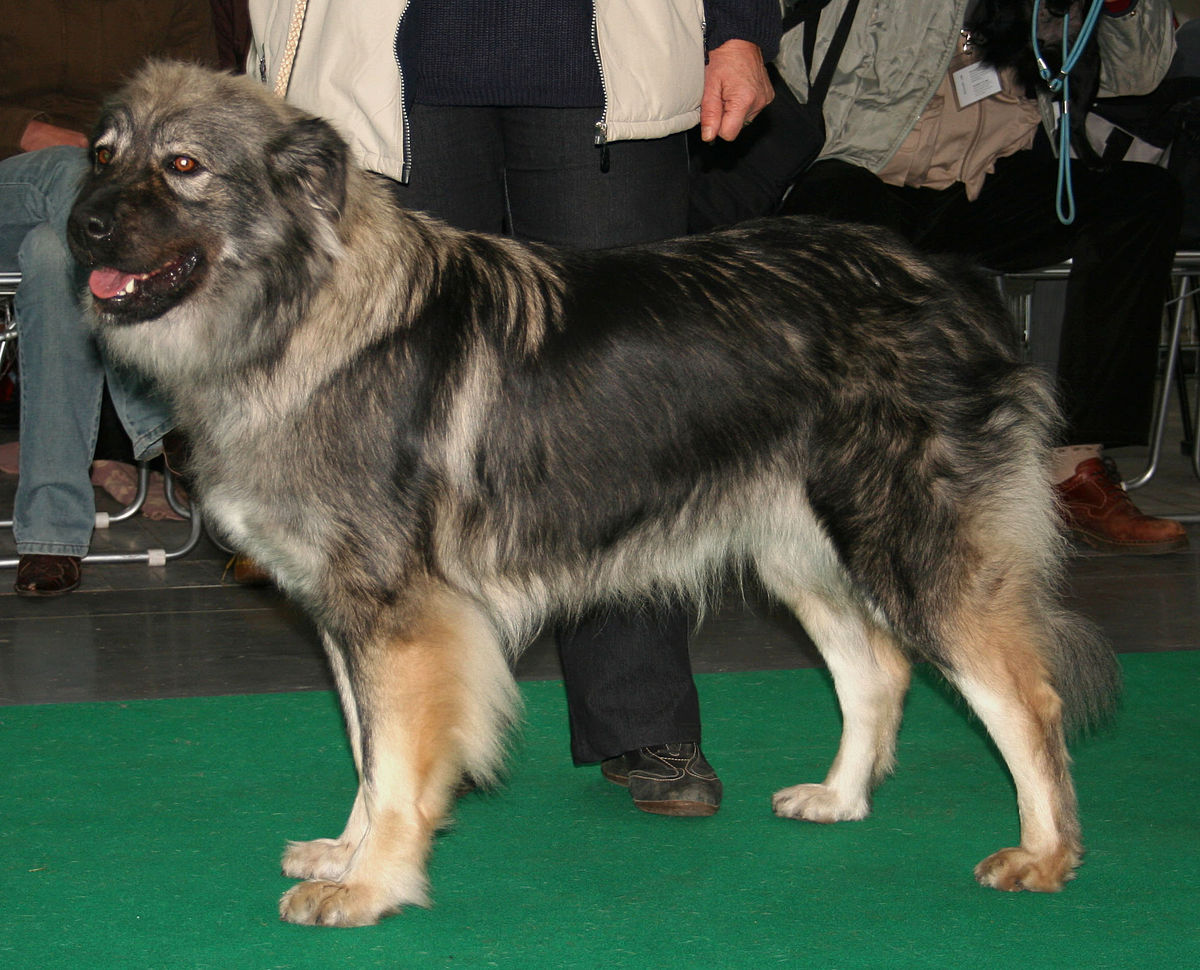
x=405, y=131
x=601, y=137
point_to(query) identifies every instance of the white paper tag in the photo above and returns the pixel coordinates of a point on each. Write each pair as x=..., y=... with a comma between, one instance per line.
x=975, y=82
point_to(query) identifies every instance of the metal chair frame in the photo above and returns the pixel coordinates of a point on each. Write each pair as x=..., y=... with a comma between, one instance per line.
x=1185, y=275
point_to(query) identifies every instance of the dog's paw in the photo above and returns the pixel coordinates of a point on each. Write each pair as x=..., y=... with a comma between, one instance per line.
x=819, y=803
x=322, y=902
x=319, y=859
x=1013, y=870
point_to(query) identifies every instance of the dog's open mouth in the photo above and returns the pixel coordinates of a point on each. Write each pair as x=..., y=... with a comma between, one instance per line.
x=141, y=296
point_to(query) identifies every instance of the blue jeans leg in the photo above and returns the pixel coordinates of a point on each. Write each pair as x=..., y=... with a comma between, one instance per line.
x=62, y=372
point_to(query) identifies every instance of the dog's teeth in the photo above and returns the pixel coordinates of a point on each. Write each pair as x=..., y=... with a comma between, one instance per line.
x=129, y=287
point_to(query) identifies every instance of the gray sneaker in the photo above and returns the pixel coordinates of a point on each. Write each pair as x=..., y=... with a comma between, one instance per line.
x=668, y=779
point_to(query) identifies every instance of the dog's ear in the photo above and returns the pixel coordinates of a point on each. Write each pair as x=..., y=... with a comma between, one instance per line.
x=308, y=162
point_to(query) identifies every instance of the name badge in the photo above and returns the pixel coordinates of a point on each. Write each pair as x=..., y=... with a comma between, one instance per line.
x=975, y=82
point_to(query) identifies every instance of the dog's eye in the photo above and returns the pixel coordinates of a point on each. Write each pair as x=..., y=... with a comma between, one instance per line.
x=104, y=155
x=184, y=164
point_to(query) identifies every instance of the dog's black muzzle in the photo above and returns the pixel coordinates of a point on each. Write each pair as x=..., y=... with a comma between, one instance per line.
x=141, y=265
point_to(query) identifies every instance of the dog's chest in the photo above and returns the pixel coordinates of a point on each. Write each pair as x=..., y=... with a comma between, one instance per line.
x=273, y=530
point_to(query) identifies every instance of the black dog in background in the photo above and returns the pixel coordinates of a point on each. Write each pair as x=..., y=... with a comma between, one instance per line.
x=1001, y=29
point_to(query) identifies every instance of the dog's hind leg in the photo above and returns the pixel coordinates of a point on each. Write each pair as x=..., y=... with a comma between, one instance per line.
x=1001, y=671
x=871, y=677
x=329, y=858
x=432, y=702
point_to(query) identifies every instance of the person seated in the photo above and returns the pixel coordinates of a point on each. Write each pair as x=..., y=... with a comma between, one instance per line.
x=61, y=59
x=917, y=149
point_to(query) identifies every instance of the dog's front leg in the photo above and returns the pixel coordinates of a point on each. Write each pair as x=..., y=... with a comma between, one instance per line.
x=429, y=699
x=330, y=858
x=378, y=865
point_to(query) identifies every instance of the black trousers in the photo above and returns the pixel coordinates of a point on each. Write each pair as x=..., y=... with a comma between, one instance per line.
x=534, y=173
x=1121, y=244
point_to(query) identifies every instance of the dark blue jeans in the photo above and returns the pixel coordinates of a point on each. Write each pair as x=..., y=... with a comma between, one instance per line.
x=62, y=371
x=535, y=173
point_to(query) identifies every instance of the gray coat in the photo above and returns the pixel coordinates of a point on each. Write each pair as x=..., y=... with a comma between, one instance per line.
x=899, y=50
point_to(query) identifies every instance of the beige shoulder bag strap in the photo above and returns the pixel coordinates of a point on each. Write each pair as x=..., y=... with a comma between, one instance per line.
x=289, y=52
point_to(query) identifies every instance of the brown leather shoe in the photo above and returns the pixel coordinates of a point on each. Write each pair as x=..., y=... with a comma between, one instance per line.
x=177, y=453
x=1098, y=510
x=247, y=572
x=41, y=575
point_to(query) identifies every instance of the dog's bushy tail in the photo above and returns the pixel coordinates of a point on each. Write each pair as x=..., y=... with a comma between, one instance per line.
x=1084, y=670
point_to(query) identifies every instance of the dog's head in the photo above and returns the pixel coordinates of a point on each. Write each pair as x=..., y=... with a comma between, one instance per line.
x=199, y=181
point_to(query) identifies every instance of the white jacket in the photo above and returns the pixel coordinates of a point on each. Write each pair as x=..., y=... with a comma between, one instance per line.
x=651, y=56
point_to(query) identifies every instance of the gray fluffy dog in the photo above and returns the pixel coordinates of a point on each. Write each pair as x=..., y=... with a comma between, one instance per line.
x=434, y=440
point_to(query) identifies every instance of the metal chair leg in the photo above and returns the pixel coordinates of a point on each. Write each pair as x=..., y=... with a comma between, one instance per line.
x=152, y=556
x=1158, y=426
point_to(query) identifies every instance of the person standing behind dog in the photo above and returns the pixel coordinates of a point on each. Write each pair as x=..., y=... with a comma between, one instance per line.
x=559, y=123
x=60, y=58
x=906, y=150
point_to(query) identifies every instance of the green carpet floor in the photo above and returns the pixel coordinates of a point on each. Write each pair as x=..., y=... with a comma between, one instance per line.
x=148, y=835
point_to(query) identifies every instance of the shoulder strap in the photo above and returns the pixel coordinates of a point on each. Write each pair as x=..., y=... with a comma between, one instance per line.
x=284, y=76
x=820, y=85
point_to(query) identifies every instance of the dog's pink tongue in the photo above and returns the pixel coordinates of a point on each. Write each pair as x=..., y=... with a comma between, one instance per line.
x=106, y=283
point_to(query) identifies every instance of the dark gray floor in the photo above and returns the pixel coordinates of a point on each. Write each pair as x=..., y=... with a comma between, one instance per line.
x=135, y=631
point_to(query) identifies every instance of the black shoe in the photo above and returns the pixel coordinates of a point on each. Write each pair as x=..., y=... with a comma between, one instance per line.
x=668, y=779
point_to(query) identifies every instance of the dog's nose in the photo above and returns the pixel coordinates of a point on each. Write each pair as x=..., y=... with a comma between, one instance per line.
x=97, y=228
x=91, y=227
x=93, y=218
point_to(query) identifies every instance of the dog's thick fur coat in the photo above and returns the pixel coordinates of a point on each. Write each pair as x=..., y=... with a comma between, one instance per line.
x=436, y=439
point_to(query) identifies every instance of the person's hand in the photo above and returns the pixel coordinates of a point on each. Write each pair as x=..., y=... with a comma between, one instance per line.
x=42, y=134
x=736, y=89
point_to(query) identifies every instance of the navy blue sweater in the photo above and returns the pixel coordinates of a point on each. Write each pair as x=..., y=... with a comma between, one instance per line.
x=535, y=52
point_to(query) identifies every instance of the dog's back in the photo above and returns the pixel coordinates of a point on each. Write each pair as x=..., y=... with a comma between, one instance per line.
x=732, y=379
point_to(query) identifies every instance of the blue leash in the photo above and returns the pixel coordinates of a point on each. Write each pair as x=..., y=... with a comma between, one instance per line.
x=1060, y=84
